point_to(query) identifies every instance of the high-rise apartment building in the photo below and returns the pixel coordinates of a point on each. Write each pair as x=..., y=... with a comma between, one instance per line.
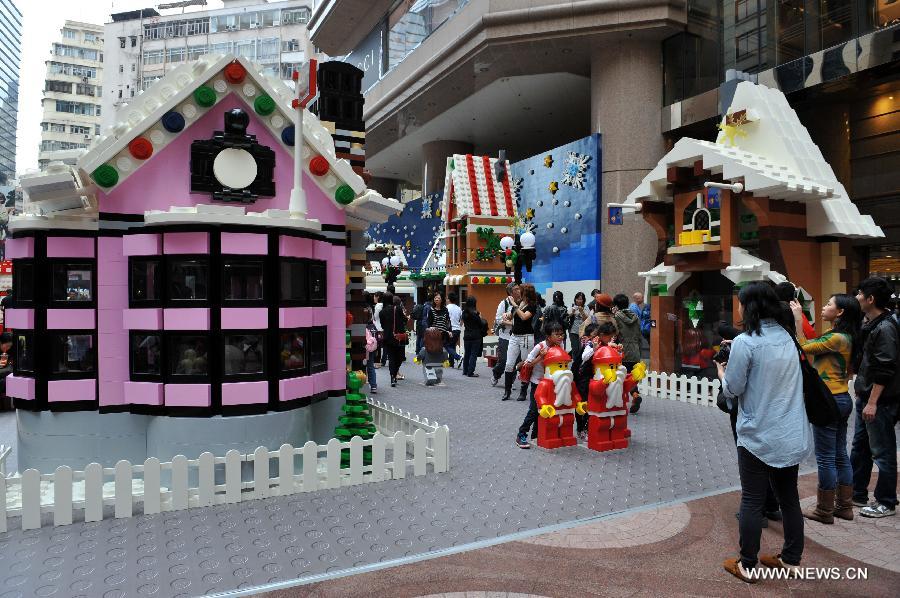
x=72, y=92
x=10, y=53
x=142, y=45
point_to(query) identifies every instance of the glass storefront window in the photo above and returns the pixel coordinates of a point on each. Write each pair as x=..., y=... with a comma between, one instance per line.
x=189, y=355
x=146, y=354
x=318, y=361
x=789, y=30
x=293, y=352
x=24, y=362
x=243, y=280
x=293, y=280
x=188, y=279
x=146, y=280
x=835, y=21
x=244, y=354
x=317, y=284
x=72, y=353
x=72, y=283
x=23, y=280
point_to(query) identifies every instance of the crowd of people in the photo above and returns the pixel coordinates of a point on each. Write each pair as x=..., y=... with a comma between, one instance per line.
x=768, y=397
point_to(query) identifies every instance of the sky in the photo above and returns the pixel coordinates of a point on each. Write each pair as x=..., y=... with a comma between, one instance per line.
x=41, y=23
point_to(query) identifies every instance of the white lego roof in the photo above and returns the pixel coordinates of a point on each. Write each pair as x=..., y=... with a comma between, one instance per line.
x=773, y=156
x=174, y=92
x=471, y=185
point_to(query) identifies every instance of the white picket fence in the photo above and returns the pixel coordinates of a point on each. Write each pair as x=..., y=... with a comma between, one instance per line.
x=411, y=443
x=680, y=387
x=4, y=453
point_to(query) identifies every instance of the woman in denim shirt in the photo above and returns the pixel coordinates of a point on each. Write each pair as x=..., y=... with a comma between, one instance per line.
x=773, y=435
x=832, y=355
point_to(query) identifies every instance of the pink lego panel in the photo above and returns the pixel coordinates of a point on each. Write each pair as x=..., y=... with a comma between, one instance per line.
x=245, y=244
x=320, y=316
x=16, y=248
x=336, y=349
x=19, y=318
x=109, y=321
x=295, y=247
x=112, y=296
x=142, y=319
x=245, y=393
x=295, y=317
x=144, y=393
x=20, y=387
x=338, y=380
x=112, y=392
x=321, y=250
x=186, y=243
x=70, y=247
x=187, y=318
x=187, y=395
x=151, y=188
x=245, y=318
x=71, y=390
x=295, y=388
x=142, y=244
x=70, y=319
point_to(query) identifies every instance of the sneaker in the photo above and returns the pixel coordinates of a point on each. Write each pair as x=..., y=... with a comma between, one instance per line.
x=393, y=383
x=494, y=381
x=877, y=511
x=635, y=404
x=522, y=398
x=373, y=391
x=522, y=441
x=862, y=503
x=506, y=397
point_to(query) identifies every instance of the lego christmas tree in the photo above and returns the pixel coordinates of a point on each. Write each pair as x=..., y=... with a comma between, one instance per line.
x=356, y=419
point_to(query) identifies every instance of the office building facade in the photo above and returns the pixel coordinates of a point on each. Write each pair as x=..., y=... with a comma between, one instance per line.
x=143, y=45
x=72, y=90
x=10, y=55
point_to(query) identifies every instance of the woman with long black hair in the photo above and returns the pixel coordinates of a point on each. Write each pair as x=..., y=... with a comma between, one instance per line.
x=393, y=322
x=773, y=433
x=832, y=355
x=472, y=336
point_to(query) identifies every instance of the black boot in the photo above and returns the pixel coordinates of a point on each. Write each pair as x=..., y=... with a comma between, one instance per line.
x=507, y=385
x=523, y=393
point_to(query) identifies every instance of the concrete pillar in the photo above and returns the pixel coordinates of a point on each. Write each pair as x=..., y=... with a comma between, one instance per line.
x=434, y=161
x=626, y=97
x=387, y=187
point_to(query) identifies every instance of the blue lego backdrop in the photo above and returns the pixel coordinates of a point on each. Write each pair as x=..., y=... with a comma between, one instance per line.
x=413, y=230
x=560, y=191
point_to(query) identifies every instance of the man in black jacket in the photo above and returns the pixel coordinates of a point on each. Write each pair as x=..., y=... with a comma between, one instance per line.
x=877, y=396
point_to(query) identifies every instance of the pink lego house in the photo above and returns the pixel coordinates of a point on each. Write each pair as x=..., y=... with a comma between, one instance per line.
x=165, y=277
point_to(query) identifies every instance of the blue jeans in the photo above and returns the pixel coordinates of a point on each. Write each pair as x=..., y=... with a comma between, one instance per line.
x=473, y=352
x=831, y=448
x=876, y=442
x=370, y=371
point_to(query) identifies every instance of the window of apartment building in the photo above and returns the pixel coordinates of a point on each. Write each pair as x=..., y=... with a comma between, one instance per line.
x=789, y=30
x=148, y=81
x=746, y=44
x=133, y=40
x=153, y=56
x=269, y=18
x=91, y=37
x=246, y=48
x=197, y=27
x=77, y=108
x=69, y=34
x=288, y=68
x=121, y=68
x=290, y=45
x=121, y=42
x=220, y=48
x=120, y=94
x=55, y=146
x=96, y=129
x=267, y=49
x=79, y=130
x=295, y=16
x=86, y=89
x=73, y=52
x=195, y=52
x=60, y=86
x=133, y=65
x=57, y=128
x=175, y=55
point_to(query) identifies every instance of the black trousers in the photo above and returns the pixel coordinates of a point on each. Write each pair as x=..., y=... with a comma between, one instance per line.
x=395, y=354
x=771, y=501
x=500, y=366
x=756, y=479
x=531, y=417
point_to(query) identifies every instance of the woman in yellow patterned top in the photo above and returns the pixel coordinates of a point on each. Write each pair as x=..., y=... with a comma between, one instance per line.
x=832, y=355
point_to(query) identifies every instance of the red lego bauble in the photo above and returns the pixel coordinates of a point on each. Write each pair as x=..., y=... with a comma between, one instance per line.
x=140, y=148
x=349, y=319
x=319, y=166
x=606, y=355
x=235, y=73
x=556, y=355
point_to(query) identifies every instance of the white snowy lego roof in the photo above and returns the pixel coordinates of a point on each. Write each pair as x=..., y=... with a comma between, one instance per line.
x=773, y=156
x=175, y=92
x=470, y=184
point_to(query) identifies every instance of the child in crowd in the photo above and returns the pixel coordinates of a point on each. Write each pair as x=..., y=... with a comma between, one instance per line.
x=371, y=348
x=594, y=337
x=432, y=356
x=554, y=334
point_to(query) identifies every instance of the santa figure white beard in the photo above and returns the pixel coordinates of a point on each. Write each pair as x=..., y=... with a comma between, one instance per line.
x=614, y=390
x=562, y=385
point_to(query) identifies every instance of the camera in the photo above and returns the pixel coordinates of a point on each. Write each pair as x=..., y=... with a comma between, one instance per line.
x=722, y=355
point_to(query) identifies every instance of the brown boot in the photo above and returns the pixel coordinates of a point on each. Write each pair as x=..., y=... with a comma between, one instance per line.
x=843, y=503
x=824, y=511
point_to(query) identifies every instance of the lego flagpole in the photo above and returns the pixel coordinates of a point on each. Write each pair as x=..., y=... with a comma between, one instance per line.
x=297, y=205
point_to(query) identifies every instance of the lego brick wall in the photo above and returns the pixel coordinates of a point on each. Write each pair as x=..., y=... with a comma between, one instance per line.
x=562, y=186
x=413, y=229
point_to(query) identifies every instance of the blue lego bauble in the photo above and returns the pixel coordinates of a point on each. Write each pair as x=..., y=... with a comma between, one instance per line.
x=172, y=121
x=287, y=135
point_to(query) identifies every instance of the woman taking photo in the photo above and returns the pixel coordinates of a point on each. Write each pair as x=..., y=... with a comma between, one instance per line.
x=473, y=334
x=773, y=436
x=832, y=354
x=393, y=322
x=577, y=315
x=522, y=338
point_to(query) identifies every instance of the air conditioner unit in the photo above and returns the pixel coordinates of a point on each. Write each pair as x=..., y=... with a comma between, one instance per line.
x=254, y=25
x=276, y=23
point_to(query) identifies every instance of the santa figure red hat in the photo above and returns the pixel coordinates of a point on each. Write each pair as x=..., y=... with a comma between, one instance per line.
x=557, y=400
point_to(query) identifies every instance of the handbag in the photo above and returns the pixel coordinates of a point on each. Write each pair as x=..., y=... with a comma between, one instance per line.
x=402, y=338
x=821, y=408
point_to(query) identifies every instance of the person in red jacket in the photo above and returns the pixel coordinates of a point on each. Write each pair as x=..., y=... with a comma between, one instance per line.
x=557, y=401
x=607, y=403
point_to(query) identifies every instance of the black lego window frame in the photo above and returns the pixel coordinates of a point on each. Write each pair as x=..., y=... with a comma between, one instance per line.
x=52, y=265
x=53, y=375
x=160, y=281
x=163, y=363
x=169, y=377
x=224, y=260
x=311, y=333
x=284, y=374
x=17, y=364
x=170, y=261
x=248, y=377
x=20, y=265
x=309, y=266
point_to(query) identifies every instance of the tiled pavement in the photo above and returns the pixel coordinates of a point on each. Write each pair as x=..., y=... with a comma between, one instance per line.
x=493, y=489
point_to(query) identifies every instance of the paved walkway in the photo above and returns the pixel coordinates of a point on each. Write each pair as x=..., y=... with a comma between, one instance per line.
x=494, y=489
x=673, y=550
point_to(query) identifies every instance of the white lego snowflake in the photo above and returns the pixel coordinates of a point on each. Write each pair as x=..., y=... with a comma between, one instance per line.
x=515, y=186
x=426, y=207
x=576, y=166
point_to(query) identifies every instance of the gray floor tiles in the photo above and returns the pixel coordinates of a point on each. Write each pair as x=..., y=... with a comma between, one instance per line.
x=493, y=488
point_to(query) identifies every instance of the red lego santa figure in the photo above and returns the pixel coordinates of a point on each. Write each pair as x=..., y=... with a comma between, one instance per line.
x=608, y=396
x=557, y=401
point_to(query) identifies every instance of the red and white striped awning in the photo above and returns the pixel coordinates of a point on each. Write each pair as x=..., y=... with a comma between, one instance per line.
x=471, y=185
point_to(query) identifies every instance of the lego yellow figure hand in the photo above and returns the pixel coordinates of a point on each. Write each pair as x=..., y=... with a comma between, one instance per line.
x=609, y=376
x=446, y=364
x=581, y=408
x=547, y=411
x=639, y=371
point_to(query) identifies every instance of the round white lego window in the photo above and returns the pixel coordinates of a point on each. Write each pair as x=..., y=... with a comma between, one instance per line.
x=234, y=168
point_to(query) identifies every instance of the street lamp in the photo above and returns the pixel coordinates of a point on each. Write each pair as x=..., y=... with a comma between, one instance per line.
x=518, y=252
